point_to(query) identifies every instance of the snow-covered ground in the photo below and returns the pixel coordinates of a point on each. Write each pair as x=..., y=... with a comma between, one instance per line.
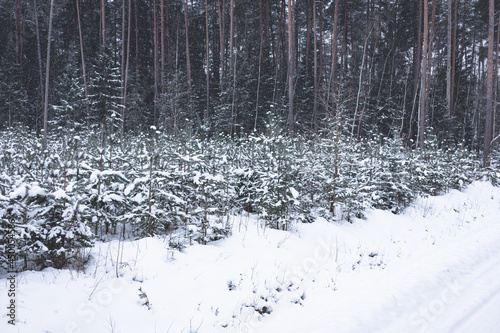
x=433, y=268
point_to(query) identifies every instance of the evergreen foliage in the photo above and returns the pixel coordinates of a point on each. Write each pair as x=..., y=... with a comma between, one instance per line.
x=83, y=187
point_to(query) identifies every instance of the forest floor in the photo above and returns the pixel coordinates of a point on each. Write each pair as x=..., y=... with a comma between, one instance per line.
x=432, y=268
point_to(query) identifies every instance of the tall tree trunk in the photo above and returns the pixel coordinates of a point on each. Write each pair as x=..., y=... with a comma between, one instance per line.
x=360, y=85
x=188, y=59
x=102, y=34
x=115, y=35
x=453, y=55
x=333, y=79
x=155, y=64
x=343, y=55
x=162, y=48
x=280, y=51
x=320, y=42
x=291, y=63
x=423, y=79
x=136, y=23
x=234, y=110
x=495, y=82
x=216, y=64
x=308, y=36
x=207, y=50
x=47, y=72
x=38, y=50
x=261, y=32
x=488, y=123
x=84, y=74
x=18, y=33
x=231, y=35
x=315, y=42
x=122, y=116
x=416, y=70
x=429, y=60
x=127, y=62
x=258, y=84
x=449, y=88
x=464, y=24
x=222, y=23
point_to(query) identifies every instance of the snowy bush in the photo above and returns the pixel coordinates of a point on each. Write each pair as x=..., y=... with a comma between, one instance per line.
x=107, y=185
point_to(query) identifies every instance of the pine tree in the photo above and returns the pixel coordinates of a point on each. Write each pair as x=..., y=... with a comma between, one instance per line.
x=105, y=93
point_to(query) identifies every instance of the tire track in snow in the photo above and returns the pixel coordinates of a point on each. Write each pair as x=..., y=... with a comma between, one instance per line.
x=480, y=301
x=473, y=291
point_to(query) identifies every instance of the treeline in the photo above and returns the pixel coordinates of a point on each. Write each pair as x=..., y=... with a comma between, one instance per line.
x=85, y=186
x=389, y=67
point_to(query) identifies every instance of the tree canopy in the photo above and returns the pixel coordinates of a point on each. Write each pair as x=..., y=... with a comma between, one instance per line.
x=395, y=68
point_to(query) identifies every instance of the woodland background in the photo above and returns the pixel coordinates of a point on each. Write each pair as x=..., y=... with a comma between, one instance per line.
x=374, y=66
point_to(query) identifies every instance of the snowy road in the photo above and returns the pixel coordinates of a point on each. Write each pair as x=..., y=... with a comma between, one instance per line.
x=470, y=303
x=484, y=318
x=479, y=302
x=451, y=286
x=454, y=303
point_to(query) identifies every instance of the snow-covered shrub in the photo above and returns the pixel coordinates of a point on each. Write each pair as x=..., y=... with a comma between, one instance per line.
x=42, y=202
x=269, y=184
x=390, y=175
x=187, y=186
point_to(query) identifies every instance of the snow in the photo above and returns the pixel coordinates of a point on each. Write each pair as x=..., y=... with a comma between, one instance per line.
x=129, y=189
x=433, y=268
x=36, y=190
x=18, y=192
x=112, y=197
x=59, y=194
x=294, y=192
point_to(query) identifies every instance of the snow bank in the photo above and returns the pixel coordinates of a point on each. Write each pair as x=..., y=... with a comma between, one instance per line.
x=387, y=272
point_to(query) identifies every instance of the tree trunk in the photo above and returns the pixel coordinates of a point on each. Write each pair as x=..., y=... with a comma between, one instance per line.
x=234, y=110
x=320, y=42
x=423, y=79
x=207, y=50
x=122, y=38
x=122, y=116
x=216, y=64
x=188, y=60
x=429, y=60
x=84, y=74
x=495, y=83
x=291, y=63
x=231, y=35
x=102, y=34
x=127, y=62
x=360, y=85
x=222, y=23
x=333, y=80
x=343, y=55
x=18, y=32
x=454, y=55
x=416, y=70
x=258, y=85
x=449, y=93
x=47, y=72
x=308, y=35
x=38, y=50
x=155, y=65
x=488, y=123
x=136, y=23
x=162, y=48
x=261, y=31
x=315, y=42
